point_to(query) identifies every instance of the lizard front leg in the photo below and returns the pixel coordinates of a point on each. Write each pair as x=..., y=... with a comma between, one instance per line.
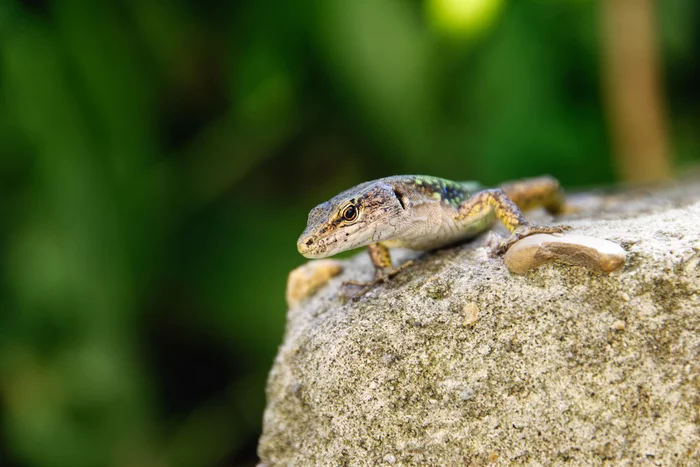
x=482, y=203
x=383, y=270
x=381, y=259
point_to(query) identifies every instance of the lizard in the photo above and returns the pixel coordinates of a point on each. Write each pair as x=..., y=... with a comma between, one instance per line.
x=422, y=212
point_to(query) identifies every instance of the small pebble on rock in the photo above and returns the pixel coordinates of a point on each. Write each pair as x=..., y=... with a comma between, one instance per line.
x=471, y=314
x=593, y=253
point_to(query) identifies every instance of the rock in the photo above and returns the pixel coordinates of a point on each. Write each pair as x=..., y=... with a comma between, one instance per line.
x=456, y=361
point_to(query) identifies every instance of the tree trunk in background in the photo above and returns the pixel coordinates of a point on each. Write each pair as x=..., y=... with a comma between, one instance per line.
x=636, y=106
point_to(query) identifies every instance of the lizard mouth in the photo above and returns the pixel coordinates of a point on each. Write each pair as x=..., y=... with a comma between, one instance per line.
x=308, y=248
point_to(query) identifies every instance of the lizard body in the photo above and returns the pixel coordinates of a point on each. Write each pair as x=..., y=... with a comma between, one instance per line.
x=422, y=213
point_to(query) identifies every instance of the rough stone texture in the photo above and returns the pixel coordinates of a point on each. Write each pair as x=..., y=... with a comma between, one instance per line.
x=458, y=362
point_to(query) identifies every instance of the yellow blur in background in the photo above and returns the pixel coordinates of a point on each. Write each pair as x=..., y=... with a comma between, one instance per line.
x=463, y=18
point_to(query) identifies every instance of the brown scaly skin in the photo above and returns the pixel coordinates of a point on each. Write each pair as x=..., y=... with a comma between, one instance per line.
x=423, y=213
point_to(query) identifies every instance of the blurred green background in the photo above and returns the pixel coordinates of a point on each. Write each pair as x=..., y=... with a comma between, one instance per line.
x=158, y=160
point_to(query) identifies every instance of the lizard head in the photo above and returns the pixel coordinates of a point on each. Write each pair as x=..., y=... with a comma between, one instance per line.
x=368, y=213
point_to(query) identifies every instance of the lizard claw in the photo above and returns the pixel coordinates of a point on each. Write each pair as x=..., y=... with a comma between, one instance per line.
x=350, y=290
x=527, y=230
x=381, y=275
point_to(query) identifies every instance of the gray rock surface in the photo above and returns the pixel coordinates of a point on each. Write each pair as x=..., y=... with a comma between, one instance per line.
x=459, y=362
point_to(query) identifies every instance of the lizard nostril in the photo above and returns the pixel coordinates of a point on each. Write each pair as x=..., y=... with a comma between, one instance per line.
x=309, y=242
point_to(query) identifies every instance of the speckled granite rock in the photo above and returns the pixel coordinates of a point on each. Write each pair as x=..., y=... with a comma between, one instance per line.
x=459, y=362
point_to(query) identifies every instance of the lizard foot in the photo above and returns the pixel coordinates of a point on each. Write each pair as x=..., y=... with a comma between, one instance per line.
x=526, y=231
x=381, y=275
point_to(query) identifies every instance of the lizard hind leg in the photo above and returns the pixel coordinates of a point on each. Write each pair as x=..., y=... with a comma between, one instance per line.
x=506, y=211
x=536, y=192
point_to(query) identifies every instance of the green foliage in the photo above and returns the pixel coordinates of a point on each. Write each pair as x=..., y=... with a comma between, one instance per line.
x=158, y=159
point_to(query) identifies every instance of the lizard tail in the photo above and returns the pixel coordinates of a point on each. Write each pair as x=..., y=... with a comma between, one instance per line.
x=536, y=192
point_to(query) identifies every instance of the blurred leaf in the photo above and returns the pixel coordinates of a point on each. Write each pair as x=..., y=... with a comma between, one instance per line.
x=380, y=56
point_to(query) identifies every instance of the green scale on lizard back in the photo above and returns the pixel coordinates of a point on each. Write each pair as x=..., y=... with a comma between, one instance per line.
x=452, y=193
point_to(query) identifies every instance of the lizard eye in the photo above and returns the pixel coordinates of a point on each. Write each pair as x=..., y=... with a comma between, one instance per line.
x=350, y=213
